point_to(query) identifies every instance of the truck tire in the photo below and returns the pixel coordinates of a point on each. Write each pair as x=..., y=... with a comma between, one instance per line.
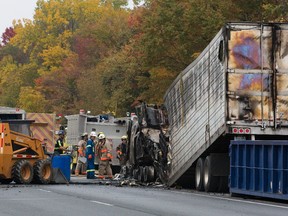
x=135, y=174
x=199, y=175
x=22, y=172
x=148, y=174
x=141, y=174
x=6, y=181
x=210, y=182
x=42, y=172
x=145, y=174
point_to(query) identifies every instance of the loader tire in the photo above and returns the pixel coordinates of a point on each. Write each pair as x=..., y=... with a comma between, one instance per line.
x=6, y=181
x=22, y=172
x=199, y=175
x=42, y=172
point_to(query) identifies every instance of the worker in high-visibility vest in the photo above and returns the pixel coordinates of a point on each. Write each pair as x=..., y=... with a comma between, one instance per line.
x=59, y=146
x=90, y=155
x=105, y=157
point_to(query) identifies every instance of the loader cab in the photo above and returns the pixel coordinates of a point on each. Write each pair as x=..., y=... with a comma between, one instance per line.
x=20, y=126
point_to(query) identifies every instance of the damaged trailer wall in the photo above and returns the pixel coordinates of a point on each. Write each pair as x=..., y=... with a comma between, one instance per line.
x=240, y=77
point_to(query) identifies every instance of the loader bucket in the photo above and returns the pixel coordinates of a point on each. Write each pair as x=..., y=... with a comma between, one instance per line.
x=61, y=168
x=58, y=177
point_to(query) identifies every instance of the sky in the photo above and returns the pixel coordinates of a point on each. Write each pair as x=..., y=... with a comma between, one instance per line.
x=15, y=9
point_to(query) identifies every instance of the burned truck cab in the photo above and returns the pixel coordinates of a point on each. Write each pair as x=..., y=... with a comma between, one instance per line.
x=148, y=144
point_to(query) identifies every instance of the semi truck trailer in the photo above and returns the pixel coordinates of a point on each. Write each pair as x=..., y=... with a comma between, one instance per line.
x=236, y=90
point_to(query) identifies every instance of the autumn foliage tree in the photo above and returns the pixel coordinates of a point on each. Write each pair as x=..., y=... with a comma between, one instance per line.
x=100, y=55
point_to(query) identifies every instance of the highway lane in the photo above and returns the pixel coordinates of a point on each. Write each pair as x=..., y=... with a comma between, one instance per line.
x=85, y=200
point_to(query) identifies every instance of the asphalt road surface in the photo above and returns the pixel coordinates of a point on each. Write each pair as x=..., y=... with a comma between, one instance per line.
x=86, y=200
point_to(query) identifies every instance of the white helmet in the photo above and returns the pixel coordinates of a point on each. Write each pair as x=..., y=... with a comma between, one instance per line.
x=101, y=136
x=93, y=134
x=84, y=134
x=124, y=137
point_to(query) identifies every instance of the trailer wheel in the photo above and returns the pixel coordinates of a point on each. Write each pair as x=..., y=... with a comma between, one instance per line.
x=210, y=181
x=199, y=175
x=42, y=172
x=22, y=172
x=6, y=181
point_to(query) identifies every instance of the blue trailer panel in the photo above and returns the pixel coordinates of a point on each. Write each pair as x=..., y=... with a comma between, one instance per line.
x=259, y=168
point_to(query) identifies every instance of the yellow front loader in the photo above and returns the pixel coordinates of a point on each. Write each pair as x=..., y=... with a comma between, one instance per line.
x=22, y=157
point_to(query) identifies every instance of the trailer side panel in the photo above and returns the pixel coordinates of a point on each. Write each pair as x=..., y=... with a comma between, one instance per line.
x=196, y=107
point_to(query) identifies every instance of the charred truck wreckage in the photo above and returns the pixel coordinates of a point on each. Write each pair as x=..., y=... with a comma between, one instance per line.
x=228, y=118
x=148, y=157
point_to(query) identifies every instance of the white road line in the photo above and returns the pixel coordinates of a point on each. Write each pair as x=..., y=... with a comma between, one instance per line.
x=101, y=203
x=243, y=201
x=44, y=190
x=25, y=199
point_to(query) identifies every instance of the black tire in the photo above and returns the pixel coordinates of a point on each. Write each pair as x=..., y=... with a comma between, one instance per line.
x=22, y=172
x=145, y=174
x=150, y=174
x=211, y=182
x=42, y=172
x=199, y=175
x=141, y=174
x=6, y=181
x=135, y=174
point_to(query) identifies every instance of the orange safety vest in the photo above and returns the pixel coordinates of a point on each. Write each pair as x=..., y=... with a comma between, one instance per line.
x=81, y=148
x=105, y=154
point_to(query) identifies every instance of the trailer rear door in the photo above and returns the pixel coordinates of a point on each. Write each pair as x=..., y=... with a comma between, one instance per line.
x=258, y=74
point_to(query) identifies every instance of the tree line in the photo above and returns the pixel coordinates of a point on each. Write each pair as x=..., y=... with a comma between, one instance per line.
x=100, y=55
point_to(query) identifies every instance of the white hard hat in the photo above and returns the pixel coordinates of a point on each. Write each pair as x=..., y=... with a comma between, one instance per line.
x=124, y=137
x=93, y=134
x=84, y=134
x=101, y=136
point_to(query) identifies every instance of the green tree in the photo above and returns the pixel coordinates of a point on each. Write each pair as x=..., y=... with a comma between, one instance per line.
x=10, y=82
x=32, y=100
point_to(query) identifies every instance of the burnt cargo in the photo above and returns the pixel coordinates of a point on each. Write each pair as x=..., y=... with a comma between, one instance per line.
x=235, y=90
